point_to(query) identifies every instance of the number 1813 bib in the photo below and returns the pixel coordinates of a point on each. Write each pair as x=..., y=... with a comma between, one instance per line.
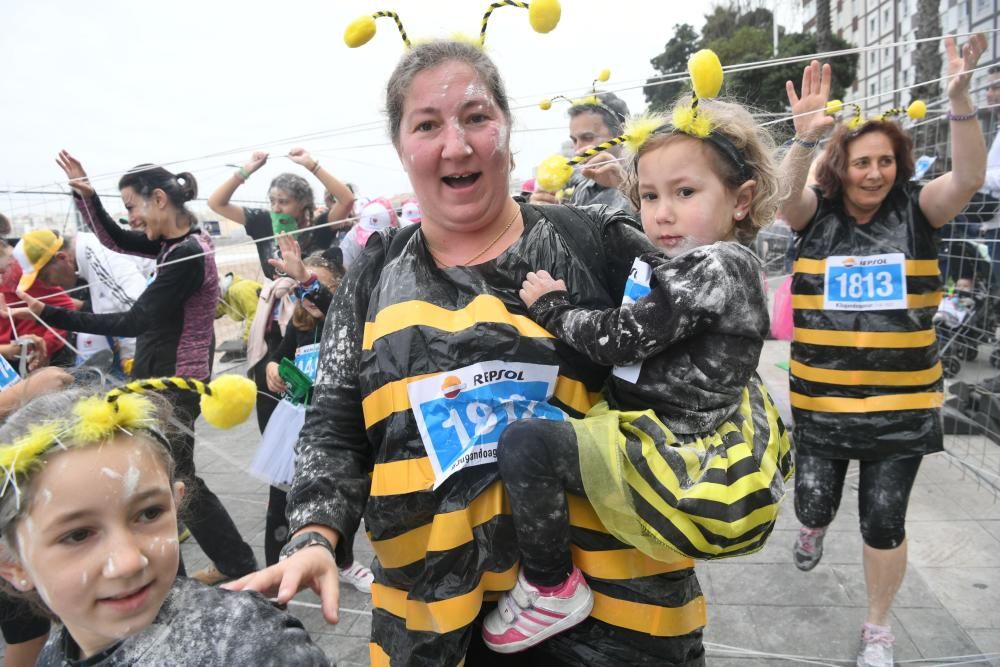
x=870, y=282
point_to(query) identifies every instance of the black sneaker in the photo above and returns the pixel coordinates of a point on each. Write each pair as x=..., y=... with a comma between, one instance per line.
x=809, y=548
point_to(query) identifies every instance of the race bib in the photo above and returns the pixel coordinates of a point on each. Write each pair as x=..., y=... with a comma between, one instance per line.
x=8, y=376
x=461, y=413
x=872, y=282
x=636, y=288
x=307, y=360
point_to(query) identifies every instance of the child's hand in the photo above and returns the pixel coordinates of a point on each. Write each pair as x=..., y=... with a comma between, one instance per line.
x=537, y=284
x=274, y=381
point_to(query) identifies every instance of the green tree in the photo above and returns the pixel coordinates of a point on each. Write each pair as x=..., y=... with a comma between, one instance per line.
x=743, y=36
x=672, y=61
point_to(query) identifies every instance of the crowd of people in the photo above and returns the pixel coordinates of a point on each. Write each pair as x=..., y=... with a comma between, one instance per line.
x=545, y=407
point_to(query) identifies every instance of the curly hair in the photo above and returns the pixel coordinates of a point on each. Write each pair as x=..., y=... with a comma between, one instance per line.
x=754, y=143
x=832, y=168
x=298, y=189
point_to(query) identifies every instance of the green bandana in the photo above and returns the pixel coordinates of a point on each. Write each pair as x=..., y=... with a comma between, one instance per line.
x=282, y=222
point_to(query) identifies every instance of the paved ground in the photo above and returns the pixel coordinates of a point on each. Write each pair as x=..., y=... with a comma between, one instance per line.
x=949, y=604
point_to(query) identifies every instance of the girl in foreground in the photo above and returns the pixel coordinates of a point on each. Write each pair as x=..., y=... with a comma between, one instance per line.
x=687, y=454
x=88, y=519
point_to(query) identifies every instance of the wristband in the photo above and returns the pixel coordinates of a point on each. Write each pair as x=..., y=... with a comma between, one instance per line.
x=310, y=281
x=963, y=116
x=244, y=174
x=804, y=143
x=315, y=167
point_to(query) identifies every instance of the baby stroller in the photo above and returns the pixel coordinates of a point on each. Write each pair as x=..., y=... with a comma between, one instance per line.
x=964, y=320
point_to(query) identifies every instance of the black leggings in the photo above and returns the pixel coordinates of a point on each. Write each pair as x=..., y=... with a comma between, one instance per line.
x=539, y=462
x=883, y=494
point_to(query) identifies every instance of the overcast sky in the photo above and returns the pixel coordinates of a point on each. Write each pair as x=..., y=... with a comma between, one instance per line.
x=197, y=84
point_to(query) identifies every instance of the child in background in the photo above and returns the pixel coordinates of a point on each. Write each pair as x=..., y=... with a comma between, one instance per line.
x=687, y=457
x=88, y=517
x=301, y=345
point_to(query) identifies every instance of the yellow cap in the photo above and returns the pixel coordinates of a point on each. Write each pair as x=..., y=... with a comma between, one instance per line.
x=33, y=252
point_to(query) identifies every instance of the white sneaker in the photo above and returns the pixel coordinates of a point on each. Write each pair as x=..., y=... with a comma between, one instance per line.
x=525, y=617
x=876, y=646
x=359, y=576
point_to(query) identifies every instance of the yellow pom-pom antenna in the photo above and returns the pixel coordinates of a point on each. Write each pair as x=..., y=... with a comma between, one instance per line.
x=545, y=104
x=917, y=109
x=834, y=107
x=706, y=73
x=230, y=400
x=360, y=31
x=553, y=173
x=225, y=402
x=604, y=75
x=544, y=15
x=639, y=128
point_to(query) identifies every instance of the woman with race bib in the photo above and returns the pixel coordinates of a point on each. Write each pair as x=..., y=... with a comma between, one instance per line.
x=427, y=355
x=865, y=375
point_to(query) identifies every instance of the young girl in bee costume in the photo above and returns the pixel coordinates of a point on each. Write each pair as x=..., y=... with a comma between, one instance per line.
x=687, y=455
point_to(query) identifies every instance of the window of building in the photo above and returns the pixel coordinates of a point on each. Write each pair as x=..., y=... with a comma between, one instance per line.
x=871, y=89
x=886, y=17
x=871, y=25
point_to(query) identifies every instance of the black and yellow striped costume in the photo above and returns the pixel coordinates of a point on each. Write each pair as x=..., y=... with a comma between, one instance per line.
x=867, y=385
x=691, y=457
x=442, y=553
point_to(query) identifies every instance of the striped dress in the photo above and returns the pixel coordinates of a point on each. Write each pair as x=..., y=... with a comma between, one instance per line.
x=410, y=355
x=865, y=375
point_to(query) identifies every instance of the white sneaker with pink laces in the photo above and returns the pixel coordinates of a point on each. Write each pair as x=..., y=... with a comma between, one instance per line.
x=525, y=616
x=359, y=576
x=876, y=646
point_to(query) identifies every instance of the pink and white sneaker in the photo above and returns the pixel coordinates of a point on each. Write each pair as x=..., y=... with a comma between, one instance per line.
x=525, y=616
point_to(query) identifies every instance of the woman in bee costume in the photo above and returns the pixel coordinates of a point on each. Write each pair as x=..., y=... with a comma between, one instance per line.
x=865, y=375
x=428, y=354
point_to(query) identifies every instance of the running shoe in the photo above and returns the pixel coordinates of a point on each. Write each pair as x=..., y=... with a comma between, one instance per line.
x=359, y=576
x=525, y=616
x=876, y=646
x=809, y=548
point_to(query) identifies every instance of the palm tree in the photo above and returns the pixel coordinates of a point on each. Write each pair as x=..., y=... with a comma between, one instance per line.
x=928, y=56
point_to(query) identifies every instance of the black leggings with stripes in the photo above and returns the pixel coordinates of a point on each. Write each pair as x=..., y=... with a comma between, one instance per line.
x=539, y=462
x=883, y=495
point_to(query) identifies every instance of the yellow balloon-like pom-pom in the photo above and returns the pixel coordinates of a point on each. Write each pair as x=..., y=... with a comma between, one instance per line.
x=553, y=173
x=359, y=31
x=604, y=75
x=855, y=122
x=706, y=73
x=917, y=109
x=687, y=121
x=638, y=129
x=231, y=401
x=97, y=418
x=834, y=106
x=545, y=104
x=544, y=15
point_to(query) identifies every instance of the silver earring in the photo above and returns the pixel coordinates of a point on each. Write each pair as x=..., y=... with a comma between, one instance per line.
x=24, y=583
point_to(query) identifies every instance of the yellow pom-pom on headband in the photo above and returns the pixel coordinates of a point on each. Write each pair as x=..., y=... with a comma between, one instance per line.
x=591, y=99
x=706, y=82
x=226, y=401
x=543, y=15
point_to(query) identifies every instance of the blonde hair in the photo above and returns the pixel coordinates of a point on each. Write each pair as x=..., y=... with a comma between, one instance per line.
x=755, y=145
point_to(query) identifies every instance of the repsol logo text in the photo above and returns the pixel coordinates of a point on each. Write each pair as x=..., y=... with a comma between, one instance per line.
x=872, y=261
x=493, y=376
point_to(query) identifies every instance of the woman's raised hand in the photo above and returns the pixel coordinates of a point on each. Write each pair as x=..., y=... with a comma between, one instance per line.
x=960, y=66
x=74, y=172
x=301, y=156
x=809, y=110
x=256, y=161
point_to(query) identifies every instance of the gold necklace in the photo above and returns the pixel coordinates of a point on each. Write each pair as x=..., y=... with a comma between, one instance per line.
x=482, y=252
